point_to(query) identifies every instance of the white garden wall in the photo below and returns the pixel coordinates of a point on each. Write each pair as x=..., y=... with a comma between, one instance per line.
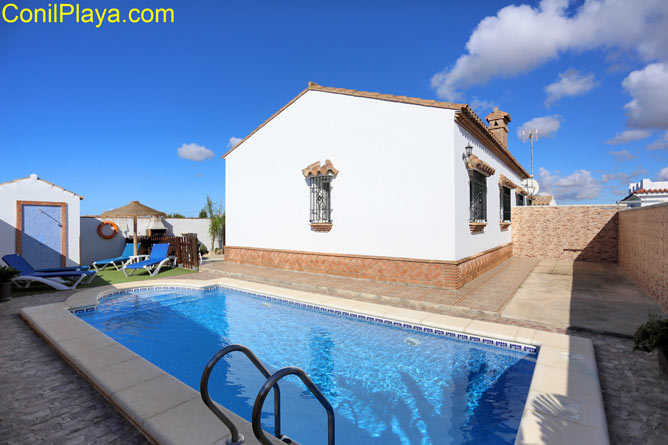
x=94, y=247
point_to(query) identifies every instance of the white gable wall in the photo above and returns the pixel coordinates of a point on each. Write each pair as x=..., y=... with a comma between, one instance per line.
x=393, y=195
x=36, y=190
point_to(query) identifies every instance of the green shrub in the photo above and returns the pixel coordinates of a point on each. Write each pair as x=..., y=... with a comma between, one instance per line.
x=7, y=273
x=651, y=335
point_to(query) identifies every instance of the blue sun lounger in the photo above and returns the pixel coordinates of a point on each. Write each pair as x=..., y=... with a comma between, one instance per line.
x=126, y=257
x=58, y=278
x=155, y=261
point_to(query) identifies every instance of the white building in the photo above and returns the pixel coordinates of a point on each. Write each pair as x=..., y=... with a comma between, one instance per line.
x=646, y=193
x=373, y=186
x=40, y=221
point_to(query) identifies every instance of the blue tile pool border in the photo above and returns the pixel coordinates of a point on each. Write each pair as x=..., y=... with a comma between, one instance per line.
x=472, y=338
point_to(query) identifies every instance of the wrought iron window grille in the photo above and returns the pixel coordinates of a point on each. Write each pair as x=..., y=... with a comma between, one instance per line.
x=321, y=199
x=477, y=197
x=505, y=204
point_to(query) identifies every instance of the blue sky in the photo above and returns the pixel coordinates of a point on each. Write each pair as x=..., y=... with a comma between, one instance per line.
x=103, y=111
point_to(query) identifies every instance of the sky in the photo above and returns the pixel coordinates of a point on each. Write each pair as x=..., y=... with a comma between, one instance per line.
x=144, y=111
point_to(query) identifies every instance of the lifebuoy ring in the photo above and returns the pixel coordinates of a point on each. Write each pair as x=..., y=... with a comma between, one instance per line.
x=114, y=229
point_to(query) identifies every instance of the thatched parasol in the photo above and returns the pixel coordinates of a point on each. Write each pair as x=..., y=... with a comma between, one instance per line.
x=133, y=210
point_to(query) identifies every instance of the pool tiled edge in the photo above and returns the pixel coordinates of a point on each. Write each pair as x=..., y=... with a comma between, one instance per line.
x=564, y=404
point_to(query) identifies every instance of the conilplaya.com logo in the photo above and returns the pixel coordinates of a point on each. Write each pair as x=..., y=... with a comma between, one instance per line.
x=77, y=13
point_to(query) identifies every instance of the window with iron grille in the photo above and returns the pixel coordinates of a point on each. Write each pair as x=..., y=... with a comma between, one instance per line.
x=321, y=200
x=478, y=197
x=519, y=198
x=505, y=204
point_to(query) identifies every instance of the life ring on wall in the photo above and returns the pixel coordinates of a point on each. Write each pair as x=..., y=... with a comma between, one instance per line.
x=114, y=229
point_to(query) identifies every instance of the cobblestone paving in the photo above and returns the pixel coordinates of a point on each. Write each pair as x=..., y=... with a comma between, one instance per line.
x=43, y=400
x=635, y=391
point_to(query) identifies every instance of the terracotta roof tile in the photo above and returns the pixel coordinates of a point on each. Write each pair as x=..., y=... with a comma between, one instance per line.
x=475, y=163
x=316, y=169
x=650, y=191
x=645, y=191
x=541, y=200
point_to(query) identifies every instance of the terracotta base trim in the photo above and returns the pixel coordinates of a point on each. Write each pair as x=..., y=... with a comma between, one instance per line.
x=321, y=227
x=434, y=273
x=477, y=227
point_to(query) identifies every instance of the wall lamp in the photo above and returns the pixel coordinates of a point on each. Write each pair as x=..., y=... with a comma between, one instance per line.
x=467, y=151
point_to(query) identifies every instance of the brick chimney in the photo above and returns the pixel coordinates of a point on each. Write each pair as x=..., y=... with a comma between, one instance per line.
x=498, y=125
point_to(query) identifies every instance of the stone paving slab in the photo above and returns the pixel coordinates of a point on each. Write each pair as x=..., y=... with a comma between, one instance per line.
x=578, y=294
x=488, y=292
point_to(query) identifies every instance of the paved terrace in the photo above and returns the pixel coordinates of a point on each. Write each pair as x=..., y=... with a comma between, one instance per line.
x=551, y=295
x=43, y=400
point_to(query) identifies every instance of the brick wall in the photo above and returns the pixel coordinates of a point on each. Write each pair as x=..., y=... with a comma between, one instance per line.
x=643, y=249
x=443, y=274
x=583, y=233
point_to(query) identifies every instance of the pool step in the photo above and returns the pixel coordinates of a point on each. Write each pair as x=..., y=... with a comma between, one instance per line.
x=284, y=438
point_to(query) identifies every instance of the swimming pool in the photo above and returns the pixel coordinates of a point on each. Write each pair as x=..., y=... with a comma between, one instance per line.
x=387, y=384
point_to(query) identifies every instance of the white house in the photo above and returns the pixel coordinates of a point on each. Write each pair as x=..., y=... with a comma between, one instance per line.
x=40, y=221
x=646, y=193
x=375, y=186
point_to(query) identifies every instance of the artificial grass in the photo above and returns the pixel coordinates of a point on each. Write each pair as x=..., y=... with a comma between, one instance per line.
x=103, y=278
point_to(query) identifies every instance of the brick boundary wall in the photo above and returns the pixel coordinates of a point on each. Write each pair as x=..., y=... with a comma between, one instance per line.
x=643, y=249
x=442, y=274
x=583, y=233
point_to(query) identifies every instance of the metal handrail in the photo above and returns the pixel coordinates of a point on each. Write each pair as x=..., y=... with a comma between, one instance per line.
x=238, y=438
x=272, y=381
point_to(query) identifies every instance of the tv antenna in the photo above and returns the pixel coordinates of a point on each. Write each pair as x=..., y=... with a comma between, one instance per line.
x=532, y=136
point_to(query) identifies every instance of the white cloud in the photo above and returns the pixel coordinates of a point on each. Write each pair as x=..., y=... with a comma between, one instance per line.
x=481, y=105
x=621, y=177
x=570, y=83
x=621, y=155
x=520, y=38
x=578, y=186
x=627, y=136
x=547, y=126
x=194, y=152
x=233, y=141
x=649, y=89
x=663, y=174
x=660, y=143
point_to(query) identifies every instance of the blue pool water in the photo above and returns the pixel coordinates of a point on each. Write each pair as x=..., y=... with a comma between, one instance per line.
x=388, y=385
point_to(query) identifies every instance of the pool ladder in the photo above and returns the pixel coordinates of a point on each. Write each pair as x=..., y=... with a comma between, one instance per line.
x=271, y=383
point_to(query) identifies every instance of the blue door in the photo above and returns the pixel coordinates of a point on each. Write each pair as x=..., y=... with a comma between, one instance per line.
x=41, y=237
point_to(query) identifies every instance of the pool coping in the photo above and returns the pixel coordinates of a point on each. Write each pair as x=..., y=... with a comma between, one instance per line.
x=564, y=403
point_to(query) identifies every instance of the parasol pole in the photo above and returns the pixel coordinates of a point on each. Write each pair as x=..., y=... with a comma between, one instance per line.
x=134, y=239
